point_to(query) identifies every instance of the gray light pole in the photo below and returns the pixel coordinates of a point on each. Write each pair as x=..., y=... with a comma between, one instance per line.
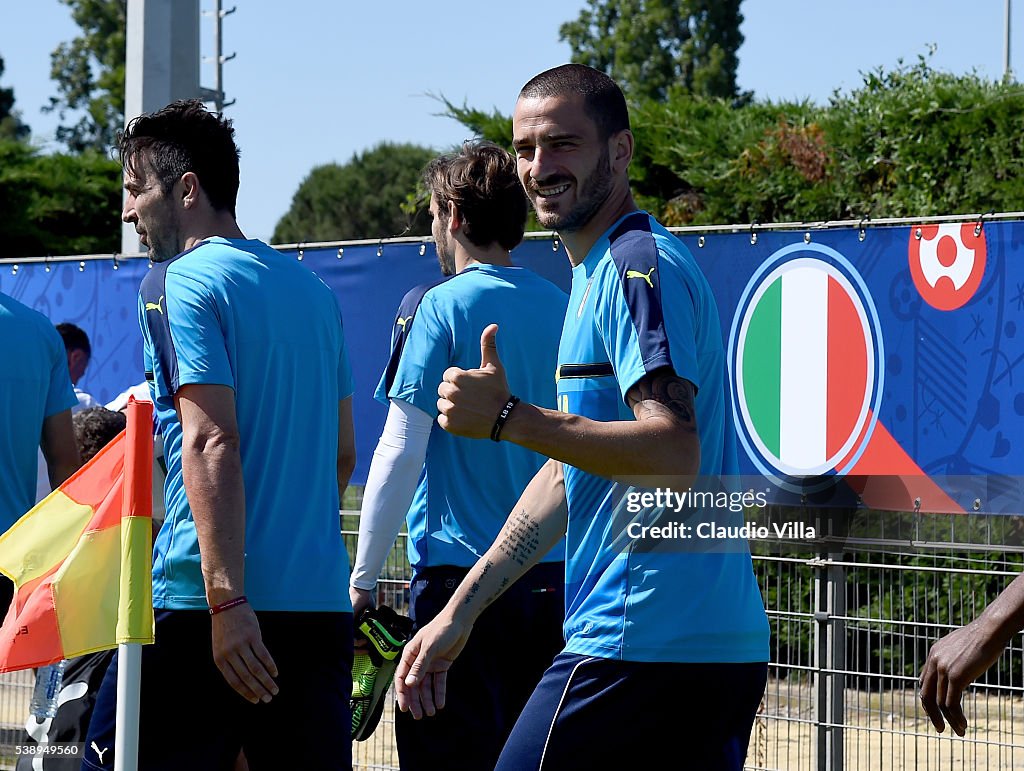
x=216, y=94
x=161, y=65
x=1007, y=70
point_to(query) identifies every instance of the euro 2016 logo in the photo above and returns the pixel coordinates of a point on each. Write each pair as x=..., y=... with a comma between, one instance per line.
x=947, y=263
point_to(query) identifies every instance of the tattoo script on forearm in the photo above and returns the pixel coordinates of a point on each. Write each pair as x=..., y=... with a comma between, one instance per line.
x=521, y=538
x=519, y=541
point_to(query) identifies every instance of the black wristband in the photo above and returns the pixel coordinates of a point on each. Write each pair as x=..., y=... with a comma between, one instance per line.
x=502, y=417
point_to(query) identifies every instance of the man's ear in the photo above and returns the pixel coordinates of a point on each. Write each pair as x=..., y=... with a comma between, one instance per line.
x=620, y=150
x=454, y=218
x=190, y=189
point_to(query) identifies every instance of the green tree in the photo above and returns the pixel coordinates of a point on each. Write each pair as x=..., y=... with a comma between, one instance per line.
x=652, y=47
x=903, y=144
x=89, y=72
x=915, y=141
x=705, y=161
x=364, y=198
x=11, y=126
x=57, y=204
x=493, y=126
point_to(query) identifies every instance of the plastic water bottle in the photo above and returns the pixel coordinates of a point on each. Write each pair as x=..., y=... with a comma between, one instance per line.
x=47, y=688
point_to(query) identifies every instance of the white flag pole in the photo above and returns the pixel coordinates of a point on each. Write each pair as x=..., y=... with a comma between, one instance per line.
x=129, y=681
x=134, y=597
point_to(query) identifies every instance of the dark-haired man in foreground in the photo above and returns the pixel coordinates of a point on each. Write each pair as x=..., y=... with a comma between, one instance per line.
x=457, y=492
x=665, y=661
x=246, y=358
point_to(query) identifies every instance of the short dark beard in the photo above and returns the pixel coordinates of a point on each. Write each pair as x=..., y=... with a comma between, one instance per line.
x=445, y=257
x=592, y=194
x=154, y=253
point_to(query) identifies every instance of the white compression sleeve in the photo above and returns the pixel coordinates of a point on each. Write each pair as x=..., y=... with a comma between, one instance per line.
x=390, y=486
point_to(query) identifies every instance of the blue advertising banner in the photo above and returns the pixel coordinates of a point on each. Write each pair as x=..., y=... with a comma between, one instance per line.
x=884, y=356
x=370, y=281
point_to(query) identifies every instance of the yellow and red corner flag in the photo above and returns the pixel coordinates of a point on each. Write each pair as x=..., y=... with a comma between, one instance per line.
x=80, y=559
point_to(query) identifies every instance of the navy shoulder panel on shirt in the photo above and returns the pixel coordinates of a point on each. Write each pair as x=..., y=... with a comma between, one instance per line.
x=153, y=291
x=403, y=323
x=635, y=255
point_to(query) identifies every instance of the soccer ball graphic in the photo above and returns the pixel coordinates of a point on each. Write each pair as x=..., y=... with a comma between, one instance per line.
x=947, y=263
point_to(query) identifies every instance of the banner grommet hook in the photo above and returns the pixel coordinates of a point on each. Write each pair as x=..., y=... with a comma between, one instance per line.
x=981, y=222
x=862, y=232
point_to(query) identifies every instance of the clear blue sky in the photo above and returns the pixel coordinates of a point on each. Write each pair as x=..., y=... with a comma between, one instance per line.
x=317, y=81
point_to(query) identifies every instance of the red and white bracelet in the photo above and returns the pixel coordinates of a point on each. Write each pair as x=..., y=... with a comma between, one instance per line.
x=227, y=605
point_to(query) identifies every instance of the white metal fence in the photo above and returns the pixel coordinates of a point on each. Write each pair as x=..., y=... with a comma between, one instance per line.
x=849, y=636
x=851, y=625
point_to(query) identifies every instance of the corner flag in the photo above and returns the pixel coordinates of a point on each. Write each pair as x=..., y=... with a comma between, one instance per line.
x=80, y=559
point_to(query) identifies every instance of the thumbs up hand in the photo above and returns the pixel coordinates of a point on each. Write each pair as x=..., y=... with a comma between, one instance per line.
x=489, y=350
x=470, y=400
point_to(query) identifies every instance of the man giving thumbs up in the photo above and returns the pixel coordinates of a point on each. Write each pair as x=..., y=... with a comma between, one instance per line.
x=642, y=400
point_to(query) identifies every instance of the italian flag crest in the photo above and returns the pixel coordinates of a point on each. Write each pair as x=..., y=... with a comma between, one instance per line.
x=805, y=359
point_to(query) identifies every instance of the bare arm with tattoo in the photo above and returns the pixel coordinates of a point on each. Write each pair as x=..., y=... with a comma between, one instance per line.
x=654, y=450
x=535, y=525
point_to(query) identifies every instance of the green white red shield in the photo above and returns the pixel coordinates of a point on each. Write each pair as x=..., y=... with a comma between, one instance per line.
x=805, y=356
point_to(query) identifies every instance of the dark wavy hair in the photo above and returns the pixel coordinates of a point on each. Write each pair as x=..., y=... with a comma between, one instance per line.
x=181, y=137
x=481, y=181
x=95, y=428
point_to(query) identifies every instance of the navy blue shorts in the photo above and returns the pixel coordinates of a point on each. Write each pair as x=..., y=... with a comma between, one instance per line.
x=513, y=642
x=192, y=720
x=601, y=713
